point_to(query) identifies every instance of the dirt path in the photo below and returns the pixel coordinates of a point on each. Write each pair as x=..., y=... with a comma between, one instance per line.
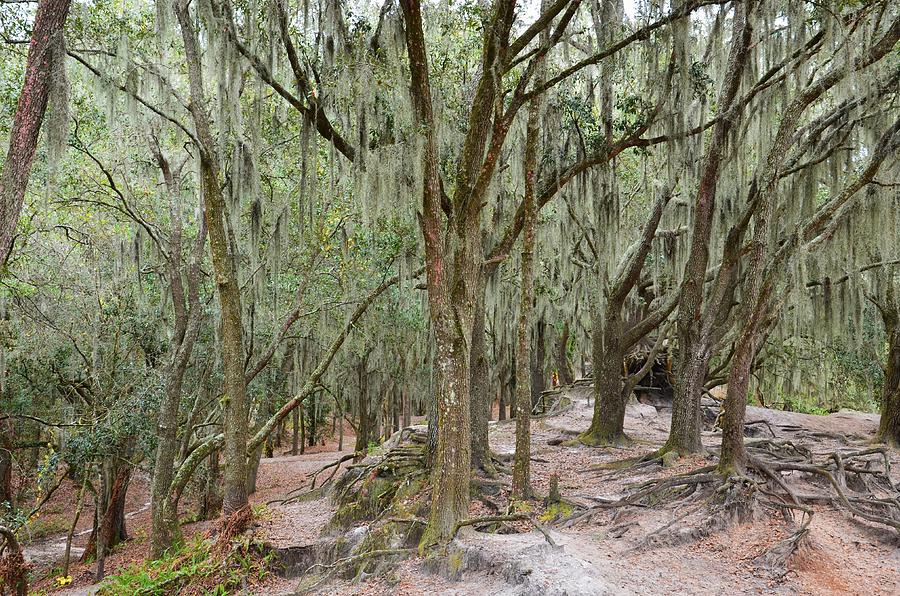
x=842, y=555
x=277, y=476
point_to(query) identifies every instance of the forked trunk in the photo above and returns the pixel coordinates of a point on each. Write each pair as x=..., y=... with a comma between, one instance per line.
x=693, y=339
x=112, y=525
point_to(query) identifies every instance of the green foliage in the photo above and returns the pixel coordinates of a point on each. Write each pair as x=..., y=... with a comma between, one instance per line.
x=196, y=568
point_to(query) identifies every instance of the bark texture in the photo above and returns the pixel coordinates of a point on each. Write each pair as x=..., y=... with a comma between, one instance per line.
x=26, y=126
x=889, y=427
x=225, y=274
x=693, y=329
x=164, y=530
x=521, y=480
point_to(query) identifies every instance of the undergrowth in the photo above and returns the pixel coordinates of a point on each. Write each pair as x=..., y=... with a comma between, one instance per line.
x=198, y=567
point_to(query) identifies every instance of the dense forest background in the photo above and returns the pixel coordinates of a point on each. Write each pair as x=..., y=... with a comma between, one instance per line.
x=231, y=224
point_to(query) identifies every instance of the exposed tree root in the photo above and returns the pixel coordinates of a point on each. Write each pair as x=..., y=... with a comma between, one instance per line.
x=228, y=528
x=775, y=559
x=781, y=476
x=348, y=563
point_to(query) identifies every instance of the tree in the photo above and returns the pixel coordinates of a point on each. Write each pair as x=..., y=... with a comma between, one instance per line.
x=521, y=481
x=45, y=56
x=693, y=324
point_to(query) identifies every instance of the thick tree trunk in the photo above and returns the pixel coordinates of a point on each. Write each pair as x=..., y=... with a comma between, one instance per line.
x=452, y=459
x=889, y=427
x=26, y=125
x=608, y=423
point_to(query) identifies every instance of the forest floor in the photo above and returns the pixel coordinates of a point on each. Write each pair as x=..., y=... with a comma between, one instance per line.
x=608, y=554
x=277, y=476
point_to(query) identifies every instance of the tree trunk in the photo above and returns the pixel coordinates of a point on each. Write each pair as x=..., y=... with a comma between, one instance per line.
x=211, y=504
x=479, y=393
x=454, y=257
x=164, y=529
x=234, y=495
x=693, y=338
x=16, y=570
x=733, y=459
x=521, y=480
x=563, y=364
x=889, y=427
x=452, y=459
x=253, y=469
x=302, y=430
x=295, y=431
x=187, y=309
x=501, y=402
x=112, y=524
x=538, y=358
x=395, y=408
x=6, y=463
x=313, y=416
x=225, y=276
x=511, y=386
x=363, y=431
x=26, y=125
x=608, y=423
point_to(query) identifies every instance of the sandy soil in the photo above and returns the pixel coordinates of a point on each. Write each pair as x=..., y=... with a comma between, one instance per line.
x=277, y=476
x=608, y=555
